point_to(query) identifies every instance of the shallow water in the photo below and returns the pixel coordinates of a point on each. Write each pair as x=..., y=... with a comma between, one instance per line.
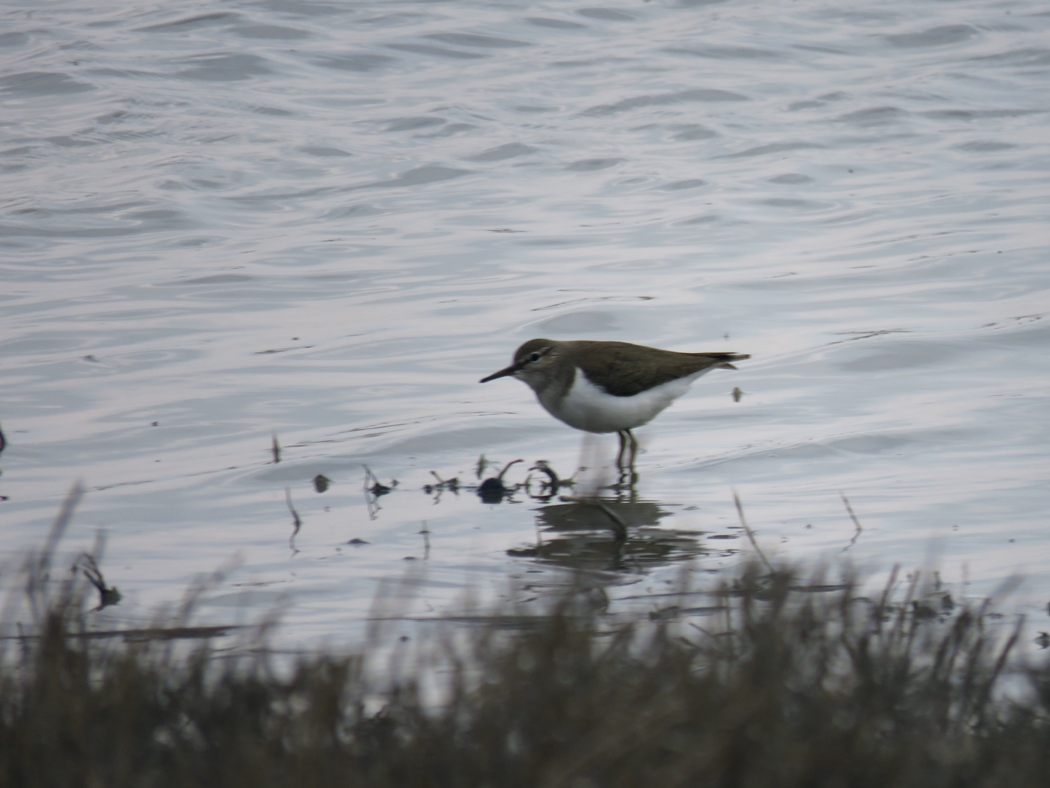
x=327, y=221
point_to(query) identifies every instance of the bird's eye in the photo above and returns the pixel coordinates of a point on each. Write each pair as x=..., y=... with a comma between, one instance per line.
x=534, y=357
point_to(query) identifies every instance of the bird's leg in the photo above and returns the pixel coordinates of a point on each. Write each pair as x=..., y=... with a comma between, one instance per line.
x=628, y=449
x=625, y=460
x=622, y=435
x=628, y=466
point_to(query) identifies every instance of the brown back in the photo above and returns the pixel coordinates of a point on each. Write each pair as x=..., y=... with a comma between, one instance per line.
x=635, y=368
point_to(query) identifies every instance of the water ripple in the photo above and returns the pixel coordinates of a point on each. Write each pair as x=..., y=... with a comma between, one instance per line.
x=329, y=220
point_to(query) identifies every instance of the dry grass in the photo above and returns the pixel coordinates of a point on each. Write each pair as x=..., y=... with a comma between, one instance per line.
x=784, y=686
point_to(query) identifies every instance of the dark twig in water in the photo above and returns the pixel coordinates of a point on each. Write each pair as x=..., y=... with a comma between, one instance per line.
x=452, y=485
x=443, y=484
x=296, y=522
x=373, y=489
x=553, y=483
x=480, y=466
x=276, y=449
x=507, y=468
x=426, y=540
x=750, y=533
x=107, y=595
x=493, y=489
x=552, y=478
x=3, y=441
x=376, y=487
x=856, y=523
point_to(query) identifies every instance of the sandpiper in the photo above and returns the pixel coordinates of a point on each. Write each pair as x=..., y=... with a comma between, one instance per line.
x=608, y=386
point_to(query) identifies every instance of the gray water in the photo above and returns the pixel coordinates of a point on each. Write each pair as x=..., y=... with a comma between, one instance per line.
x=222, y=222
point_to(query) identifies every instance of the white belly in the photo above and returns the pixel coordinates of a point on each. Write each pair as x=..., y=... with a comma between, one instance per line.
x=587, y=407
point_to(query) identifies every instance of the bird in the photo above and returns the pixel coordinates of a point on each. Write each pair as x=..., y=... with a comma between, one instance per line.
x=603, y=387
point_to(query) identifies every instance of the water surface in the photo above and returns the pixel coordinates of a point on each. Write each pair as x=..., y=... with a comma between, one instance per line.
x=326, y=221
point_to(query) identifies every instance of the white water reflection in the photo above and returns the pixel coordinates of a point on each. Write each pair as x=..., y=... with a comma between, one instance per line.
x=327, y=221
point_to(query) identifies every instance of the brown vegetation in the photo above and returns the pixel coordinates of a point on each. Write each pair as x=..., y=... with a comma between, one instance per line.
x=782, y=686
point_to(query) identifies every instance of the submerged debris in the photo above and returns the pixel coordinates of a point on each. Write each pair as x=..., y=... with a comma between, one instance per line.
x=374, y=486
x=553, y=483
x=452, y=485
x=373, y=490
x=297, y=523
x=107, y=595
x=494, y=490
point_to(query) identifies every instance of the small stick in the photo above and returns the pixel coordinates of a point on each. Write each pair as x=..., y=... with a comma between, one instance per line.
x=507, y=467
x=377, y=488
x=426, y=541
x=107, y=595
x=856, y=522
x=297, y=522
x=750, y=533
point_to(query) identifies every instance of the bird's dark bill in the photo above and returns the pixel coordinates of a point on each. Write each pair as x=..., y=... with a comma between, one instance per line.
x=501, y=374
